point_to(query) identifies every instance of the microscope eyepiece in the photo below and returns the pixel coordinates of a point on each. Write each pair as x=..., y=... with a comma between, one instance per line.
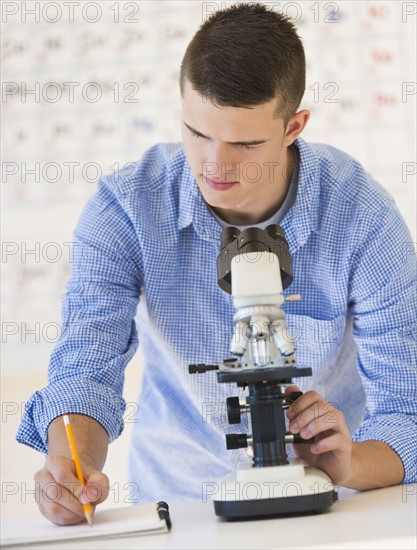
x=253, y=239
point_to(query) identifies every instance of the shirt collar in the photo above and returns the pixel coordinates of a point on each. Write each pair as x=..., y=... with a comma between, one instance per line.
x=188, y=191
x=300, y=221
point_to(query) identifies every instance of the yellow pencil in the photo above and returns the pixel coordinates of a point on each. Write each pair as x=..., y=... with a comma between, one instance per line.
x=76, y=460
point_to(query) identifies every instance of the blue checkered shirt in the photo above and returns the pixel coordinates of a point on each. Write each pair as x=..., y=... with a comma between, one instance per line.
x=144, y=270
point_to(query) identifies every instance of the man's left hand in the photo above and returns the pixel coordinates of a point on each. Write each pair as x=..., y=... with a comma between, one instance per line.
x=313, y=417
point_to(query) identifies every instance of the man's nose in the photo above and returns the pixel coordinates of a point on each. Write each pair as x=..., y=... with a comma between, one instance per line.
x=224, y=160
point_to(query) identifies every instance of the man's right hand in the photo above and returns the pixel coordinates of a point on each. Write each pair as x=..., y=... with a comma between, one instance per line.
x=59, y=494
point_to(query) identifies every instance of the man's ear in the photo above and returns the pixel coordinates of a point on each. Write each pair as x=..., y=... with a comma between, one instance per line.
x=295, y=126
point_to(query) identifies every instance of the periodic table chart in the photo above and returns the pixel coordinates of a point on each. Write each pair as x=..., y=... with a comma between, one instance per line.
x=89, y=86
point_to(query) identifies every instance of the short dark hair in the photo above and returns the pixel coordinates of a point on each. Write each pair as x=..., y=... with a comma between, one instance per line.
x=244, y=56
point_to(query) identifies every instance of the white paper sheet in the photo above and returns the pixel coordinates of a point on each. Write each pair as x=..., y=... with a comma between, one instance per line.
x=118, y=522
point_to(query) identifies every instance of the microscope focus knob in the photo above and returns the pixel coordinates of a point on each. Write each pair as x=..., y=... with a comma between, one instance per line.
x=294, y=395
x=236, y=441
x=233, y=410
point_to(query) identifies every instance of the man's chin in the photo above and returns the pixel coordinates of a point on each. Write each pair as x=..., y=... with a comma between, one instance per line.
x=217, y=204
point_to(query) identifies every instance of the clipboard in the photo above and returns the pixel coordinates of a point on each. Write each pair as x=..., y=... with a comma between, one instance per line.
x=141, y=519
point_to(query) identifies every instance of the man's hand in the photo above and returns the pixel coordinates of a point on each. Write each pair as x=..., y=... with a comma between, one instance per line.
x=311, y=416
x=357, y=465
x=60, y=495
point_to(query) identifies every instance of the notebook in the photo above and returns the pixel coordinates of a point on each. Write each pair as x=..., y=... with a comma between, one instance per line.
x=142, y=519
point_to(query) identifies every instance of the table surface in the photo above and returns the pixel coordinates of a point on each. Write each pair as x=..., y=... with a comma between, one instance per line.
x=381, y=518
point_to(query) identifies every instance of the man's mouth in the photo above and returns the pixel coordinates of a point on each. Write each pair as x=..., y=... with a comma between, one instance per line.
x=217, y=185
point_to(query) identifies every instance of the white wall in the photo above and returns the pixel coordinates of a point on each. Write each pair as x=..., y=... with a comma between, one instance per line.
x=361, y=91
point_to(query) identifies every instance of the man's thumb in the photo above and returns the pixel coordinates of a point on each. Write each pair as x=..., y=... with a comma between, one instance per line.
x=96, y=488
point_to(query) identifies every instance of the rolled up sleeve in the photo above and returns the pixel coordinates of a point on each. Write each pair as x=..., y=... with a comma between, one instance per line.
x=99, y=334
x=384, y=298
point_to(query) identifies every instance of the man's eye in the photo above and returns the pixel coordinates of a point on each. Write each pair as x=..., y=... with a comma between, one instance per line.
x=244, y=146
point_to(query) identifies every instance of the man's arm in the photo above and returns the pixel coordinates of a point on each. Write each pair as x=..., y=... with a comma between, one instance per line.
x=86, y=371
x=374, y=465
x=381, y=300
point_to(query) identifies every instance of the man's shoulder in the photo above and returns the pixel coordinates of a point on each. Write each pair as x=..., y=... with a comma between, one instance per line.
x=343, y=178
x=157, y=167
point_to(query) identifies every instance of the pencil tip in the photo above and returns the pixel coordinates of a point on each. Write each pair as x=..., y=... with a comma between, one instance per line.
x=89, y=517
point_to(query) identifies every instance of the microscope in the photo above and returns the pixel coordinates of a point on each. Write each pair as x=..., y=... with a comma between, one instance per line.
x=255, y=266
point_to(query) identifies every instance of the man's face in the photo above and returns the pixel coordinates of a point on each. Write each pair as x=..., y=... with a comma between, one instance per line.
x=238, y=156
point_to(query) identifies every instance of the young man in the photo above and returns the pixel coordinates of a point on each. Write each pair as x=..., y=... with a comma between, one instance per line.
x=152, y=238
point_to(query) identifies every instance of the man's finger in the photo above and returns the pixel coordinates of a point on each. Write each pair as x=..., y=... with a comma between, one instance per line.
x=290, y=389
x=310, y=404
x=51, y=496
x=325, y=423
x=96, y=488
x=63, y=472
x=60, y=515
x=334, y=442
x=313, y=417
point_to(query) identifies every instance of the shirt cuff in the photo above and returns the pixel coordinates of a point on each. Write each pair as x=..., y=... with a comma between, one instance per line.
x=400, y=433
x=78, y=396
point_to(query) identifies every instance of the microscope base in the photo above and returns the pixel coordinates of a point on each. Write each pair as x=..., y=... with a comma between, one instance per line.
x=273, y=491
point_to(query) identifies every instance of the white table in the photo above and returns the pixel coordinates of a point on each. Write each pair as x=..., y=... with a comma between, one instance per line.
x=378, y=519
